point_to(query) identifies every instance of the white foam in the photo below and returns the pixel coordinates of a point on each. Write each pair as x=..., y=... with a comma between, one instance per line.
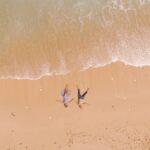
x=89, y=64
x=133, y=49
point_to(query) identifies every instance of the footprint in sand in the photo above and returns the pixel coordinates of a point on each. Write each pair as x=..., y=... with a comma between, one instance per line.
x=12, y=114
x=20, y=143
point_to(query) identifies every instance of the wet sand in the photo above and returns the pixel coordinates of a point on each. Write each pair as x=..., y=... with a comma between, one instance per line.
x=117, y=117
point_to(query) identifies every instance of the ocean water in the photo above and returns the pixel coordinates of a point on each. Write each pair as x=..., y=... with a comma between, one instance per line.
x=39, y=38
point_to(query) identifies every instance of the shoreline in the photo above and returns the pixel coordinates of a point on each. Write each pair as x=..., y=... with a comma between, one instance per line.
x=117, y=116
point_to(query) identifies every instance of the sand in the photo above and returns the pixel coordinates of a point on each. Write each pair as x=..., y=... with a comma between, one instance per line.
x=117, y=117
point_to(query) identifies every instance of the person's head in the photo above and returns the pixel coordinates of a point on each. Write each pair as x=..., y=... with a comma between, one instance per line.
x=80, y=105
x=65, y=105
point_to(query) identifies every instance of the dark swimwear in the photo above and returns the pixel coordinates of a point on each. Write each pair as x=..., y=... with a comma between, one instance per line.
x=81, y=96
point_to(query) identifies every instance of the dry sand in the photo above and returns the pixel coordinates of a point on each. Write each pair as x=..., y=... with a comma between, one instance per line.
x=118, y=117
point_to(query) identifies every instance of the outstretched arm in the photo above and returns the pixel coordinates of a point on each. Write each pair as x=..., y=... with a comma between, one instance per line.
x=70, y=100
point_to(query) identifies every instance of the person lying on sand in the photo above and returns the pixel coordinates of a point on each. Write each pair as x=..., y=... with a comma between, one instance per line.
x=65, y=93
x=81, y=97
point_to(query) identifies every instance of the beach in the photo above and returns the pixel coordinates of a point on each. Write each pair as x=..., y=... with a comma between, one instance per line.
x=103, y=45
x=117, y=116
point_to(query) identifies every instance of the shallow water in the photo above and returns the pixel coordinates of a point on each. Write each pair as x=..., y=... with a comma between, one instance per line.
x=49, y=37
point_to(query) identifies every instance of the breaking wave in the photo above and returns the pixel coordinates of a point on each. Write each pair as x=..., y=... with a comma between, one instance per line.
x=39, y=38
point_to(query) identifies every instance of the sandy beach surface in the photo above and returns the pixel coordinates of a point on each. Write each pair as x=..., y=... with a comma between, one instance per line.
x=117, y=117
x=41, y=41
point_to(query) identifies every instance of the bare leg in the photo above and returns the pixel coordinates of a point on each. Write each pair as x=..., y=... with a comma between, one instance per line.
x=83, y=95
x=79, y=95
x=85, y=103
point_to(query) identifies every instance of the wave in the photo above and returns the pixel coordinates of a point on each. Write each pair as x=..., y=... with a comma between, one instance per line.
x=39, y=38
x=47, y=72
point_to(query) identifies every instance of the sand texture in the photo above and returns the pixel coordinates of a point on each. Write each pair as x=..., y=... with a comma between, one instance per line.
x=117, y=117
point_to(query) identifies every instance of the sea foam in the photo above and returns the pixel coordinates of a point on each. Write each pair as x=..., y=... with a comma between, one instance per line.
x=44, y=38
